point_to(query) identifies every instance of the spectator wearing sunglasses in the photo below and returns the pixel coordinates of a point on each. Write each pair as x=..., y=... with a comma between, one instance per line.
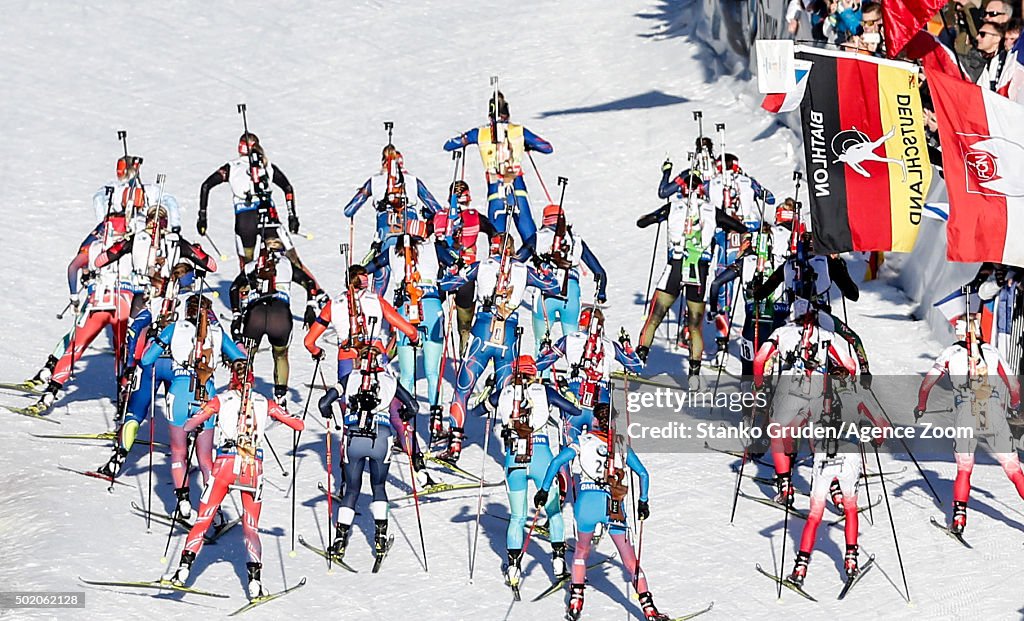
x=984, y=62
x=997, y=12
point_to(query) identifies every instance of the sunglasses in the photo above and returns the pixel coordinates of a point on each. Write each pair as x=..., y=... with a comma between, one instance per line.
x=993, y=13
x=987, y=33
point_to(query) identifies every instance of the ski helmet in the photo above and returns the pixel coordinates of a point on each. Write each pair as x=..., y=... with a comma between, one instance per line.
x=460, y=189
x=551, y=215
x=157, y=216
x=193, y=304
x=591, y=314
x=247, y=140
x=704, y=143
x=502, y=106
x=526, y=365
x=128, y=167
x=732, y=162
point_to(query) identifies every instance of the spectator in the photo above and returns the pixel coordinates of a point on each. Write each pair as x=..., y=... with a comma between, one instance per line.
x=962, y=32
x=997, y=12
x=871, y=22
x=984, y=62
x=843, y=21
x=1012, y=33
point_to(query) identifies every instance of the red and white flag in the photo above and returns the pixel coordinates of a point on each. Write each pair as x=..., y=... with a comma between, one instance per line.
x=982, y=135
x=787, y=102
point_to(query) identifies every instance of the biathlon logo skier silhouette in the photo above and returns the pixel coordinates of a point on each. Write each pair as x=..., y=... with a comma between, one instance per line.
x=853, y=147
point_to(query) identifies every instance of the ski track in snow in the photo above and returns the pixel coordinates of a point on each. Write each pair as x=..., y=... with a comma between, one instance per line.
x=612, y=87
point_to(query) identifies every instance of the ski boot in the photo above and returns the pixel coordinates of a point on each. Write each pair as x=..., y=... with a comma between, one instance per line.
x=850, y=564
x=799, y=569
x=959, y=518
x=836, y=492
x=642, y=352
x=42, y=377
x=113, y=465
x=419, y=466
x=381, y=543
x=683, y=339
x=255, y=586
x=341, y=534
x=437, y=430
x=695, y=383
x=561, y=570
x=180, y=575
x=281, y=396
x=451, y=455
x=512, y=570
x=46, y=399
x=647, y=605
x=575, y=608
x=786, y=493
x=184, y=508
x=722, y=353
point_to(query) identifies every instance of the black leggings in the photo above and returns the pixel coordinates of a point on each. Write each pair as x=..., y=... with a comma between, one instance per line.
x=271, y=318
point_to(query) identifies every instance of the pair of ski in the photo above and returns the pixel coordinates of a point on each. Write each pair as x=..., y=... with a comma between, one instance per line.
x=339, y=560
x=92, y=474
x=958, y=537
x=106, y=436
x=31, y=388
x=796, y=588
x=168, y=585
x=184, y=525
x=803, y=514
x=864, y=475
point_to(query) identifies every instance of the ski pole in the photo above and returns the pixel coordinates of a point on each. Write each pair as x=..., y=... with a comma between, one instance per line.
x=888, y=508
x=785, y=536
x=223, y=257
x=867, y=483
x=416, y=497
x=539, y=178
x=273, y=452
x=907, y=449
x=529, y=533
x=152, y=432
x=480, y=494
x=177, y=507
x=728, y=337
x=330, y=493
x=650, y=274
x=639, y=551
x=63, y=311
x=295, y=448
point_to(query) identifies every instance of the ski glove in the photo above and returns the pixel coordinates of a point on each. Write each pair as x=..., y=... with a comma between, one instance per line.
x=293, y=224
x=318, y=353
x=201, y=223
x=865, y=380
x=406, y=413
x=643, y=510
x=918, y=413
x=667, y=166
x=540, y=498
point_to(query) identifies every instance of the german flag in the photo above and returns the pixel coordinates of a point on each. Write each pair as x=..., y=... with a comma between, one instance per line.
x=866, y=156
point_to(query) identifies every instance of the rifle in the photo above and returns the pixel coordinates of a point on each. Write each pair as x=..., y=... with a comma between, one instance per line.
x=201, y=357
x=357, y=332
x=367, y=399
x=518, y=433
x=561, y=247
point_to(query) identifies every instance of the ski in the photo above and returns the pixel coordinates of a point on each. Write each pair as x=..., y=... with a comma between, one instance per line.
x=328, y=556
x=105, y=436
x=451, y=467
x=540, y=530
x=955, y=536
x=786, y=583
x=184, y=525
x=694, y=614
x=380, y=556
x=263, y=599
x=771, y=503
x=639, y=379
x=27, y=387
x=95, y=475
x=32, y=412
x=560, y=583
x=842, y=516
x=440, y=488
x=323, y=490
x=159, y=585
x=771, y=481
x=850, y=582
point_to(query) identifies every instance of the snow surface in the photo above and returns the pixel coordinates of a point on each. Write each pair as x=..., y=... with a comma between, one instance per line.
x=612, y=86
